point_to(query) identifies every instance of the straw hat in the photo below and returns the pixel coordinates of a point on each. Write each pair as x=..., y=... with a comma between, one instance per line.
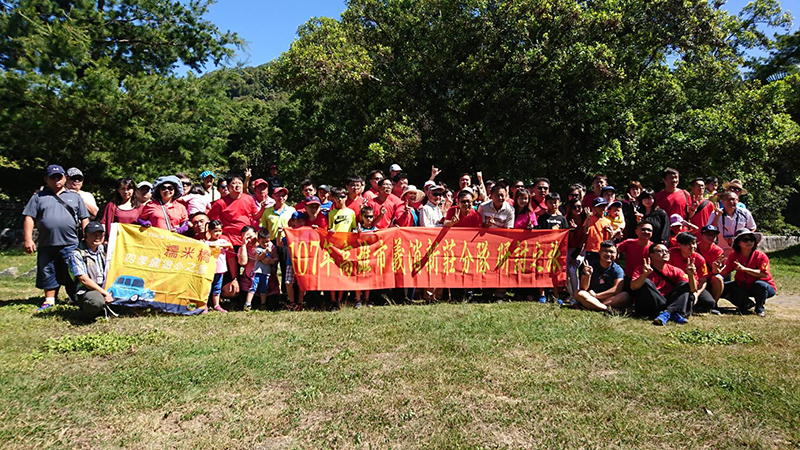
x=735, y=183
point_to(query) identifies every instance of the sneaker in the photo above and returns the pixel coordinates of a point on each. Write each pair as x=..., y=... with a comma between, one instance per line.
x=219, y=309
x=45, y=306
x=248, y=307
x=715, y=312
x=760, y=312
x=542, y=299
x=358, y=305
x=679, y=319
x=662, y=318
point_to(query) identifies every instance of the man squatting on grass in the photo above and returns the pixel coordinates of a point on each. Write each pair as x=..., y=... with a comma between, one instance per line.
x=661, y=283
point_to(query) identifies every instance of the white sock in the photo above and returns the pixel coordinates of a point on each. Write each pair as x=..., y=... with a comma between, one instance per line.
x=50, y=300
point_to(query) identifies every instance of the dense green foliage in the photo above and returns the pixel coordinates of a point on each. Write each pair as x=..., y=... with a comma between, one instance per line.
x=516, y=89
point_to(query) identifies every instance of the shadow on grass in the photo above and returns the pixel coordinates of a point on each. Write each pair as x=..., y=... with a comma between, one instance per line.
x=29, y=301
x=789, y=255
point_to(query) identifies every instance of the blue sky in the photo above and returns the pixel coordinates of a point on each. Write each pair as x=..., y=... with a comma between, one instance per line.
x=270, y=26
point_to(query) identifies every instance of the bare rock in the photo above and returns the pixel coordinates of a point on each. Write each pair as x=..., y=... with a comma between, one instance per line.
x=12, y=272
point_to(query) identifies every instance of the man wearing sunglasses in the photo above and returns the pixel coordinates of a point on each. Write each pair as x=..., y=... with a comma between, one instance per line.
x=57, y=214
x=539, y=189
x=430, y=215
x=75, y=184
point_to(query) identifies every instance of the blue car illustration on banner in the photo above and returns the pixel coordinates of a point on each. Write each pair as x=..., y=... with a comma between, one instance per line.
x=131, y=289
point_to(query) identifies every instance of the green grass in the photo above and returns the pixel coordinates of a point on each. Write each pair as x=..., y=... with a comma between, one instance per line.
x=515, y=375
x=785, y=266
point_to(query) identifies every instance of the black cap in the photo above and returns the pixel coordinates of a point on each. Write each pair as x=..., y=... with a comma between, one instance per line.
x=93, y=227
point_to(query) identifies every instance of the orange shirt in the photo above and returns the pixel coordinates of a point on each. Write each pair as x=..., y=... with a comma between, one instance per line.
x=597, y=233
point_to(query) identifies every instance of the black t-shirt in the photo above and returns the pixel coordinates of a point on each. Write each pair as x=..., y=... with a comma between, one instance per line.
x=274, y=182
x=552, y=222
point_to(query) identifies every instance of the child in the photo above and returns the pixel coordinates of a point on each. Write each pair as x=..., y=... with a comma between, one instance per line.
x=366, y=224
x=552, y=220
x=298, y=220
x=196, y=200
x=614, y=214
x=247, y=257
x=366, y=220
x=219, y=248
x=262, y=268
x=341, y=219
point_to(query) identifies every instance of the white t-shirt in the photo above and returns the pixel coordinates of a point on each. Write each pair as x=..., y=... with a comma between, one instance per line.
x=430, y=215
x=503, y=218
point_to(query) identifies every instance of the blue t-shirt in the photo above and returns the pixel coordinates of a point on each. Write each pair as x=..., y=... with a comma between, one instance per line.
x=604, y=279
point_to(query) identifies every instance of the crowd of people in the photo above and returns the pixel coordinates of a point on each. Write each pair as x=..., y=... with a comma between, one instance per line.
x=663, y=255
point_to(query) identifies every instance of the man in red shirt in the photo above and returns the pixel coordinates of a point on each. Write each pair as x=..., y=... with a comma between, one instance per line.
x=400, y=184
x=661, y=289
x=681, y=257
x=384, y=204
x=598, y=183
x=671, y=199
x=700, y=208
x=235, y=210
x=374, y=179
x=314, y=218
x=715, y=260
x=463, y=215
x=636, y=250
x=307, y=189
x=355, y=187
x=541, y=187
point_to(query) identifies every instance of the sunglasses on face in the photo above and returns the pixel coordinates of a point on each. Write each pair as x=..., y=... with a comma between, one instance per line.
x=369, y=217
x=734, y=189
x=647, y=230
x=166, y=188
x=185, y=183
x=519, y=186
x=436, y=194
x=342, y=197
x=747, y=239
x=223, y=186
x=76, y=179
x=543, y=188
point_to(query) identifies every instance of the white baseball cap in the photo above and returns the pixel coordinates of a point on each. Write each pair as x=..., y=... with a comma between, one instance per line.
x=395, y=168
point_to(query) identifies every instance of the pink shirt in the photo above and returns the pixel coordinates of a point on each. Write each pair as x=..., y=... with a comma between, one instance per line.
x=521, y=221
x=216, y=246
x=153, y=212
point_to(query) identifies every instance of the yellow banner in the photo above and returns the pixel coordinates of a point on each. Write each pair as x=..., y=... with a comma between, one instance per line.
x=155, y=268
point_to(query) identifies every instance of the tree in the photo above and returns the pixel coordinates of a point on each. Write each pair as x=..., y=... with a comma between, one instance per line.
x=92, y=84
x=528, y=88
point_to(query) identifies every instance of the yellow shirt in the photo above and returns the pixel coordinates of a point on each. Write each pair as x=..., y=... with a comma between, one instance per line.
x=342, y=220
x=276, y=221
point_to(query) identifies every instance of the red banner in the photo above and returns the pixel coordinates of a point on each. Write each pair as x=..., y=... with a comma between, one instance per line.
x=428, y=257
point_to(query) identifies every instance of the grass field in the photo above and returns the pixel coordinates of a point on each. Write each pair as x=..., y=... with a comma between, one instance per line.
x=513, y=375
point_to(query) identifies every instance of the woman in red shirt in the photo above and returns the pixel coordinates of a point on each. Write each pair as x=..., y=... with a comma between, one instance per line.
x=163, y=211
x=124, y=207
x=753, y=277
